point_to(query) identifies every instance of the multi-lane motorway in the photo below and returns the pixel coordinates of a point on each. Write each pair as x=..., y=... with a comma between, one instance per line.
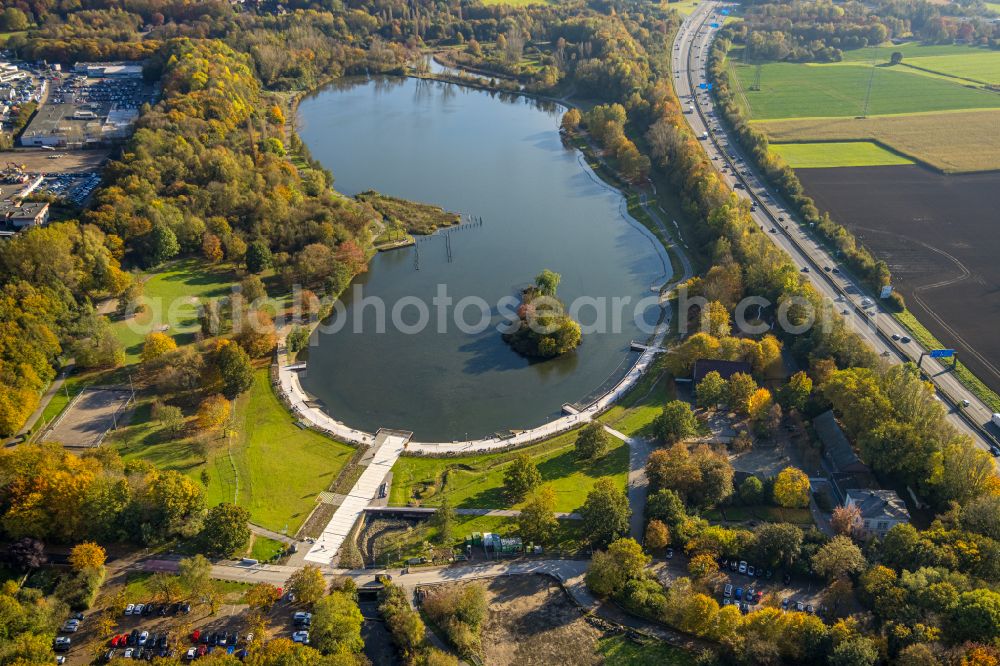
x=862, y=313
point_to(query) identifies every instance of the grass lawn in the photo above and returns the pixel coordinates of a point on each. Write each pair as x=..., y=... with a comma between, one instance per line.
x=620, y=651
x=836, y=154
x=138, y=589
x=172, y=292
x=280, y=467
x=413, y=542
x=796, y=90
x=477, y=481
x=635, y=413
x=264, y=549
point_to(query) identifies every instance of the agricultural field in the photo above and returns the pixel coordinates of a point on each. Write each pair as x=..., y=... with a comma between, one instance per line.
x=269, y=465
x=477, y=481
x=979, y=65
x=952, y=142
x=172, y=293
x=937, y=233
x=794, y=90
x=836, y=154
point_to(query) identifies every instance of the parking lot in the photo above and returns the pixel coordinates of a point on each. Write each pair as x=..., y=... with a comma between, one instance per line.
x=751, y=592
x=148, y=630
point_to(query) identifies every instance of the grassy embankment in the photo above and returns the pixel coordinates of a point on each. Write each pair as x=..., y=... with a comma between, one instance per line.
x=634, y=414
x=622, y=651
x=280, y=467
x=477, y=481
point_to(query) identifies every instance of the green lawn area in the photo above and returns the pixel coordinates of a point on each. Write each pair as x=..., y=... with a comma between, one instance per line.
x=796, y=90
x=477, y=481
x=993, y=6
x=620, y=651
x=837, y=154
x=635, y=413
x=138, y=589
x=281, y=467
x=173, y=291
x=265, y=549
x=684, y=7
x=413, y=543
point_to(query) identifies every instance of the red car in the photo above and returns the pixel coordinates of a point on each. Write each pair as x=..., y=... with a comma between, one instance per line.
x=195, y=635
x=202, y=649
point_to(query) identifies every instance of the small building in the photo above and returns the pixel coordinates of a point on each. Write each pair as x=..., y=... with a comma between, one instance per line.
x=24, y=215
x=880, y=510
x=726, y=369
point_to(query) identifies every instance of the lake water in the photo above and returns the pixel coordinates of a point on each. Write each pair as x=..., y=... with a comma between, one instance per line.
x=501, y=159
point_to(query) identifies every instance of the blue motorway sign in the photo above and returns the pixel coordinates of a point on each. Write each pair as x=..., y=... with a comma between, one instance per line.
x=942, y=353
x=713, y=25
x=724, y=12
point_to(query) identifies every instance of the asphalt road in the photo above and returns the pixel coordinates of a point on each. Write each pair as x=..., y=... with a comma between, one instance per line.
x=863, y=313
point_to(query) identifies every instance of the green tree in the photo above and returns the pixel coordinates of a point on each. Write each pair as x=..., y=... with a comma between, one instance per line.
x=548, y=282
x=593, y=441
x=777, y=544
x=262, y=596
x=162, y=245
x=444, y=520
x=676, y=422
x=258, y=257
x=226, y=531
x=609, y=570
x=297, y=338
x=739, y=388
x=194, y=573
x=336, y=625
x=711, y=390
x=235, y=369
x=537, y=522
x=252, y=288
x=521, y=477
x=13, y=20
x=605, y=513
x=794, y=394
x=855, y=651
x=976, y=617
x=751, y=491
x=307, y=584
x=838, y=557
x=156, y=345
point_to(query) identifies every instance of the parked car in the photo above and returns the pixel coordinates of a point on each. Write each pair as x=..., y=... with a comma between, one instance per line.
x=750, y=570
x=785, y=602
x=729, y=590
x=739, y=593
x=743, y=567
x=129, y=609
x=128, y=653
x=71, y=626
x=185, y=608
x=799, y=606
x=195, y=635
x=302, y=619
x=191, y=654
x=137, y=610
x=301, y=637
x=62, y=644
x=670, y=553
x=202, y=649
x=143, y=639
x=109, y=655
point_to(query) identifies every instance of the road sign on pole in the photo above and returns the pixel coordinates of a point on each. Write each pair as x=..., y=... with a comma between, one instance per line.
x=942, y=353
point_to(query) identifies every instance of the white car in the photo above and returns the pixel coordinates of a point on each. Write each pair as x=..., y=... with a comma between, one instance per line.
x=128, y=653
x=143, y=638
x=71, y=626
x=130, y=609
x=301, y=637
x=191, y=654
x=138, y=609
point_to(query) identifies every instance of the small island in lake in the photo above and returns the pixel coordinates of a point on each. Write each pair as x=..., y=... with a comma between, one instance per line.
x=545, y=330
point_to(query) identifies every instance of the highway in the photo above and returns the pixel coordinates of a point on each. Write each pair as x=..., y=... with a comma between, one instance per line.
x=863, y=313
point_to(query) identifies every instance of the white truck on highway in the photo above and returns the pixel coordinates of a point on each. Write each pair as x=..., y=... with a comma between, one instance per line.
x=996, y=420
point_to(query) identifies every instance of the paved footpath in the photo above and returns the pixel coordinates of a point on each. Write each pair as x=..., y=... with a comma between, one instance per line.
x=384, y=453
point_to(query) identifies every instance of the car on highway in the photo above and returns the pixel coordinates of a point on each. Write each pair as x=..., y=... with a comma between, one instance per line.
x=895, y=336
x=904, y=340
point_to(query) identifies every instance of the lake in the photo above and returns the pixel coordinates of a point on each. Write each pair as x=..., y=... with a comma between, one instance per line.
x=501, y=159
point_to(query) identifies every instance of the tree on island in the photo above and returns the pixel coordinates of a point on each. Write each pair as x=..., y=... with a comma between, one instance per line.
x=544, y=329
